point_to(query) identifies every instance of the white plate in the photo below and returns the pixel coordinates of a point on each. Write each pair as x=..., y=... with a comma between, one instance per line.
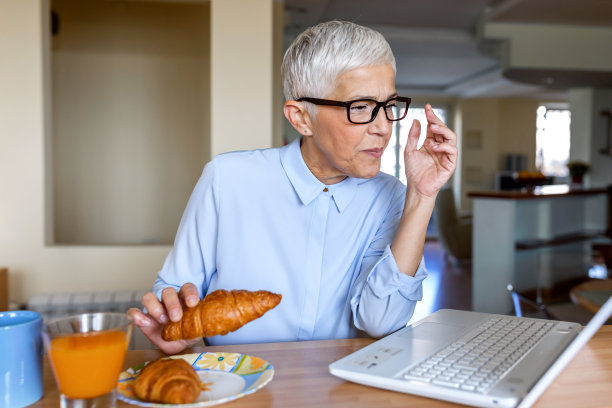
x=227, y=376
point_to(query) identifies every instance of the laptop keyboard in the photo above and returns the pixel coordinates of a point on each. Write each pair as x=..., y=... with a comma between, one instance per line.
x=477, y=360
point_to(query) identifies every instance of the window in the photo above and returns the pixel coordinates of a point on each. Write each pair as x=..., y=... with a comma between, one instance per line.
x=393, y=157
x=553, y=139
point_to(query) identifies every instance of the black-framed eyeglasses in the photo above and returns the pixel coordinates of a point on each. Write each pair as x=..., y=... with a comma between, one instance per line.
x=361, y=111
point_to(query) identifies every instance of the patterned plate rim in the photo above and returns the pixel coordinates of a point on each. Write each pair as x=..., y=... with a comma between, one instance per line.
x=262, y=380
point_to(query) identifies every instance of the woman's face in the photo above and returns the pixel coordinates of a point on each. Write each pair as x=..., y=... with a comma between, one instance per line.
x=337, y=148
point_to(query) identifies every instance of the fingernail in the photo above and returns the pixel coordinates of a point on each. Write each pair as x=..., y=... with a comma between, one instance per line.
x=145, y=322
x=192, y=301
x=163, y=318
x=435, y=127
x=175, y=315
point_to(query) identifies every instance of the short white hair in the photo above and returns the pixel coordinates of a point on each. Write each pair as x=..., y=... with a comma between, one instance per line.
x=319, y=55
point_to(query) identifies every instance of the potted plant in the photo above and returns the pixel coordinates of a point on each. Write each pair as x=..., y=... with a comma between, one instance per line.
x=577, y=170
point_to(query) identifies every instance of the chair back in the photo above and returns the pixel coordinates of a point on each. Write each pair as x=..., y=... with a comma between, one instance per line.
x=454, y=234
x=445, y=212
x=525, y=307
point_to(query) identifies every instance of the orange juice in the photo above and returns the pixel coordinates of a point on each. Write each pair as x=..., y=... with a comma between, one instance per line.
x=88, y=365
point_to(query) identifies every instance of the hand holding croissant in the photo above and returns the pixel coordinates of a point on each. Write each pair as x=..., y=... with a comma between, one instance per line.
x=219, y=313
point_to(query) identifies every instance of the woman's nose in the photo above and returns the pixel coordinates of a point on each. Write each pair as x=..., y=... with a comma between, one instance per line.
x=381, y=125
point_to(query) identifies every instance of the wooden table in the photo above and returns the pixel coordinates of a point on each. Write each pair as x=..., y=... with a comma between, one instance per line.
x=302, y=379
x=592, y=294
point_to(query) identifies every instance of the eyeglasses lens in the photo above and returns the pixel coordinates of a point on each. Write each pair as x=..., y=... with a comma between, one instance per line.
x=361, y=111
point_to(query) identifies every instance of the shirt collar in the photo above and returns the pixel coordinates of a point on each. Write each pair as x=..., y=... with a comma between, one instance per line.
x=307, y=186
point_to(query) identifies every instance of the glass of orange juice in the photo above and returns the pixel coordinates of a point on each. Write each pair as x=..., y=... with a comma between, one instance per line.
x=86, y=352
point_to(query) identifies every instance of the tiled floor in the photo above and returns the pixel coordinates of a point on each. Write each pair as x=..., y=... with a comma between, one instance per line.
x=448, y=286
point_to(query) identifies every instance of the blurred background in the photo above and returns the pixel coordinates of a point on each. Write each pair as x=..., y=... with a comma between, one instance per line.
x=109, y=109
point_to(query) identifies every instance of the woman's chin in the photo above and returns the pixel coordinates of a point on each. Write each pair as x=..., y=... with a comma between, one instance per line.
x=369, y=173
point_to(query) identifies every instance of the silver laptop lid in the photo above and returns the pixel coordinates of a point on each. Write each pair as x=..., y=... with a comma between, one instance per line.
x=585, y=335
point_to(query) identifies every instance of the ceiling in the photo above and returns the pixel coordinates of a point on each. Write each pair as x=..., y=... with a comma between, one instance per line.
x=434, y=41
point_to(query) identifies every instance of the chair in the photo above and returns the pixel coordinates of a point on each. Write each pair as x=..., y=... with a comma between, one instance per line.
x=454, y=232
x=565, y=311
x=525, y=307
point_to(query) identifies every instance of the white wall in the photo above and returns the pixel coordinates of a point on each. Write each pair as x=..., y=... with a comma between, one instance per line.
x=581, y=106
x=590, y=132
x=601, y=174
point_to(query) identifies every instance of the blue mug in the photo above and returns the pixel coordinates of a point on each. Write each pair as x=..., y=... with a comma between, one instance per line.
x=21, y=358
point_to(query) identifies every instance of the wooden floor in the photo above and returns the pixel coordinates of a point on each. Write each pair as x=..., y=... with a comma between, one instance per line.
x=448, y=286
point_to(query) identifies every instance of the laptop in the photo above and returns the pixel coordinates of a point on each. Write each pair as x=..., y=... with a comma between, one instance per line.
x=471, y=358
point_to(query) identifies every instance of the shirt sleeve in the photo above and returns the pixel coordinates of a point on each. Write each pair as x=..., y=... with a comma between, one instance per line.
x=383, y=299
x=192, y=258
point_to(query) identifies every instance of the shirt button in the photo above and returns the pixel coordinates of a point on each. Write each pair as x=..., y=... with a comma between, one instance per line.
x=325, y=190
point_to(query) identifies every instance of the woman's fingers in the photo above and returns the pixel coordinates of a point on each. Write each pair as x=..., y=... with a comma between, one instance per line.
x=445, y=148
x=171, y=300
x=439, y=131
x=155, y=308
x=151, y=323
x=172, y=304
x=189, y=294
x=413, y=136
x=431, y=116
x=443, y=134
x=431, y=143
x=140, y=319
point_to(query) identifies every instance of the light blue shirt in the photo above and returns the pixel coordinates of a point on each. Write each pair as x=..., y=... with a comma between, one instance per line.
x=261, y=220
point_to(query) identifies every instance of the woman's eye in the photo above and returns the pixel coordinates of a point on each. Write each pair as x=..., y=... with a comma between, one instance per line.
x=359, y=107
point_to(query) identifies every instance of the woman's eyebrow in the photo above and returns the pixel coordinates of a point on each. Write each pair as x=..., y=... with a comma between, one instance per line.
x=358, y=97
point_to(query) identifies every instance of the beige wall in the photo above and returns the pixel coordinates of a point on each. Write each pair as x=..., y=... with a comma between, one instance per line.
x=567, y=47
x=242, y=40
x=517, y=129
x=33, y=266
x=504, y=126
x=490, y=129
x=479, y=161
x=26, y=144
x=129, y=138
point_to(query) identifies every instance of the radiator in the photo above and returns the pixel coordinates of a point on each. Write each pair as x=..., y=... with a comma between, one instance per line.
x=54, y=305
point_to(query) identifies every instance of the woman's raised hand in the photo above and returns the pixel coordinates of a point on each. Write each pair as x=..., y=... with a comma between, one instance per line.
x=431, y=166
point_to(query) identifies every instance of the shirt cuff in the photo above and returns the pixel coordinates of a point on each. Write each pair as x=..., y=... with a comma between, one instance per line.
x=386, y=278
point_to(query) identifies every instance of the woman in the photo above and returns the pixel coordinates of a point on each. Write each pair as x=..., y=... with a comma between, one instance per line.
x=315, y=220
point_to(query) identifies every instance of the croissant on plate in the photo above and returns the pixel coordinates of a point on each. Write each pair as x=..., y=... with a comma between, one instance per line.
x=170, y=381
x=219, y=313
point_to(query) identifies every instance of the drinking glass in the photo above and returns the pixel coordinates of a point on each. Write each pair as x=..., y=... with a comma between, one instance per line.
x=86, y=353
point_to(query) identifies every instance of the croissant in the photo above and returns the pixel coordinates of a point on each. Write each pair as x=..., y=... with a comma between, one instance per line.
x=219, y=313
x=171, y=381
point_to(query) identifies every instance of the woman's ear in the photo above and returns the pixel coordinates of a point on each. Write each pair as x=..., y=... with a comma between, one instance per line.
x=298, y=116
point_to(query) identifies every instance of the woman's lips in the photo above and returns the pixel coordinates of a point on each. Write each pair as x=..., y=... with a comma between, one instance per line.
x=377, y=153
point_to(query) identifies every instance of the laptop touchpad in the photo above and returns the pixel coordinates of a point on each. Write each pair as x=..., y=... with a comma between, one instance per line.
x=433, y=331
